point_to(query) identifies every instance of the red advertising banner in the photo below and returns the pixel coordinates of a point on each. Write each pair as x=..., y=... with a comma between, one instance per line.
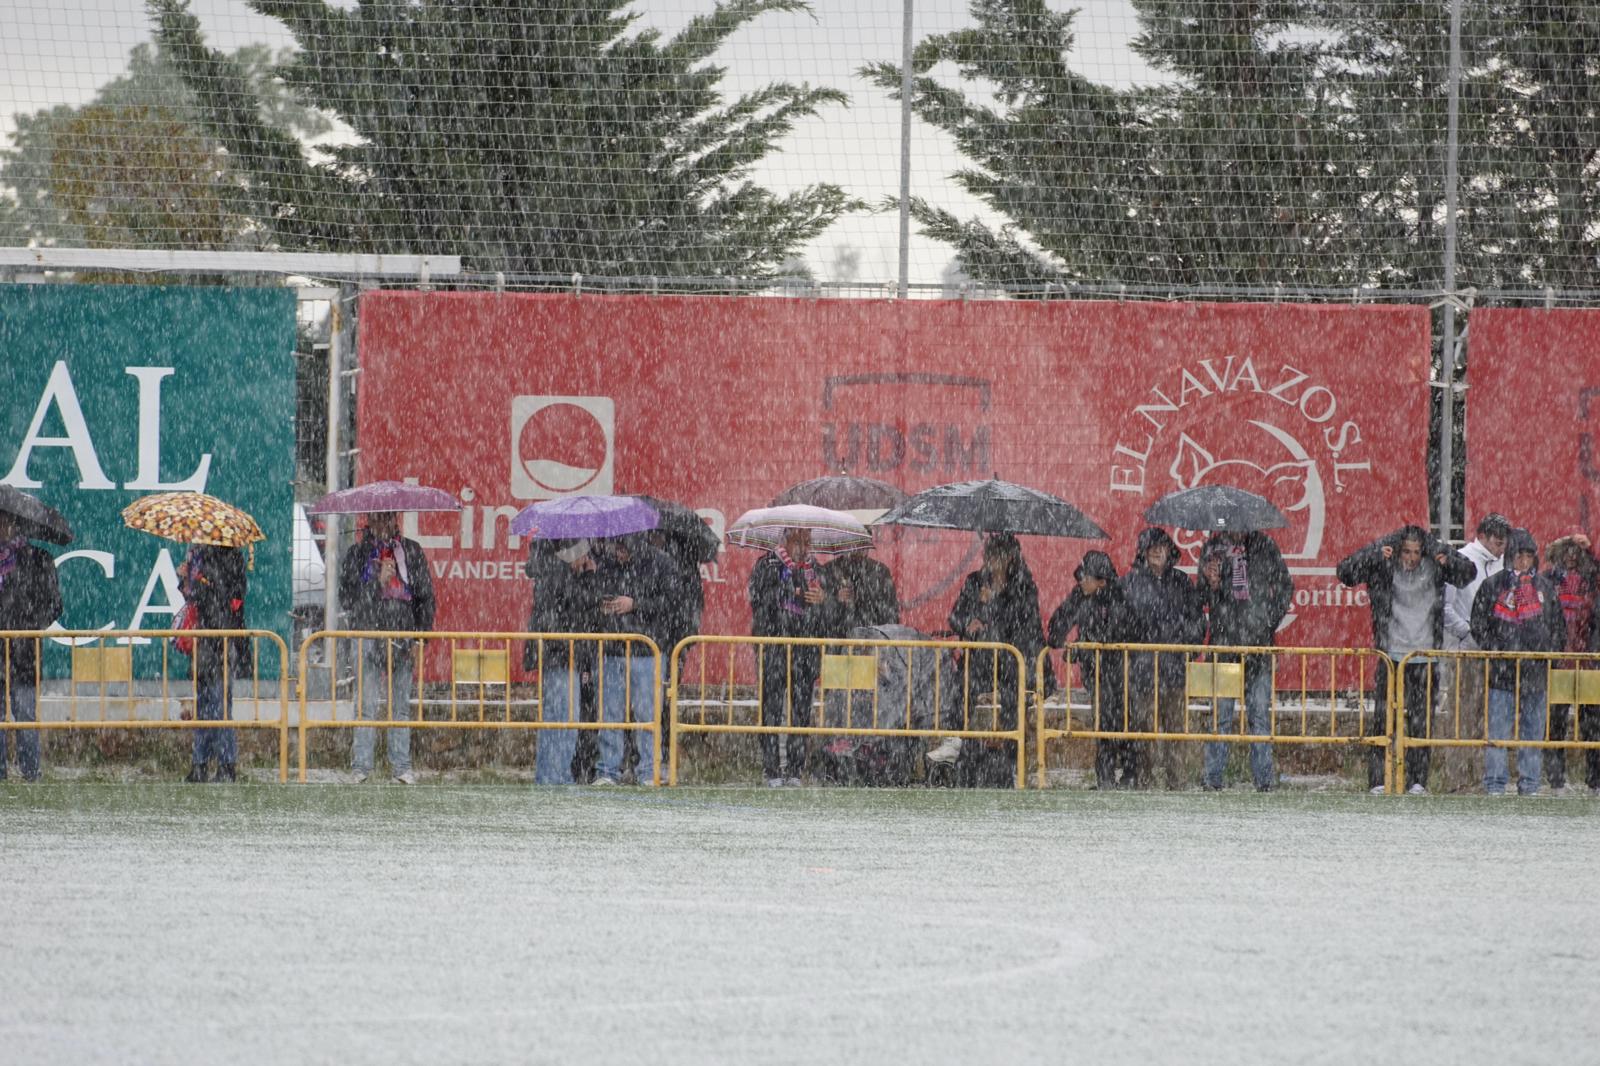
x=722, y=403
x=1532, y=418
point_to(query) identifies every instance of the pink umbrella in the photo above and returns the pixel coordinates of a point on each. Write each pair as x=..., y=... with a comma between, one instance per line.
x=377, y=497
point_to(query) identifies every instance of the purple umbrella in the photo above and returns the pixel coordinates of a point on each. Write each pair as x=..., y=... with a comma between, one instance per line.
x=378, y=497
x=574, y=517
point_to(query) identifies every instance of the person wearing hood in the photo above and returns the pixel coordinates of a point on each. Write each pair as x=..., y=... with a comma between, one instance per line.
x=787, y=600
x=566, y=599
x=1406, y=574
x=1462, y=689
x=1098, y=610
x=1517, y=609
x=385, y=586
x=690, y=596
x=30, y=598
x=998, y=603
x=637, y=585
x=1572, y=570
x=863, y=592
x=214, y=580
x=1247, y=590
x=1164, y=607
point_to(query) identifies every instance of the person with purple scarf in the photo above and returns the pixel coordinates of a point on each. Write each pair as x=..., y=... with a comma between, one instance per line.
x=213, y=579
x=787, y=600
x=385, y=586
x=30, y=598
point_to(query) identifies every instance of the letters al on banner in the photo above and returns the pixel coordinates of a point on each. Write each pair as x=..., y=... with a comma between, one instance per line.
x=115, y=392
x=722, y=403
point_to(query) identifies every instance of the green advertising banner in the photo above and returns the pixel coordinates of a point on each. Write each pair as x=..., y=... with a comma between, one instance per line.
x=113, y=392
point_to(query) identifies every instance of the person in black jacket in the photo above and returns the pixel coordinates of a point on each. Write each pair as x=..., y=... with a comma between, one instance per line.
x=1164, y=607
x=1517, y=609
x=385, y=586
x=1098, y=609
x=863, y=591
x=787, y=600
x=566, y=599
x=638, y=587
x=690, y=595
x=1246, y=589
x=1406, y=574
x=999, y=604
x=214, y=580
x=30, y=598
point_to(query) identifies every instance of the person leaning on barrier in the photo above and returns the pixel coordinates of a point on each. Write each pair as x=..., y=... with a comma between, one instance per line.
x=385, y=586
x=1097, y=608
x=30, y=598
x=999, y=604
x=1573, y=570
x=1517, y=609
x=214, y=580
x=787, y=600
x=566, y=599
x=636, y=588
x=1247, y=590
x=1406, y=574
x=1462, y=691
x=1164, y=607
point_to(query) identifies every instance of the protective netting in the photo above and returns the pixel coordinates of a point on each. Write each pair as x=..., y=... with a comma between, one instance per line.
x=1161, y=145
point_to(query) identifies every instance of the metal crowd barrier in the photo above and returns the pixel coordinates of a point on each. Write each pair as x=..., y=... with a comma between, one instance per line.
x=864, y=672
x=1318, y=696
x=102, y=689
x=481, y=664
x=1457, y=695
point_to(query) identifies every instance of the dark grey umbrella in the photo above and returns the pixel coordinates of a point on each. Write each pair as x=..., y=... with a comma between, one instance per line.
x=843, y=492
x=994, y=506
x=683, y=525
x=1215, y=507
x=35, y=519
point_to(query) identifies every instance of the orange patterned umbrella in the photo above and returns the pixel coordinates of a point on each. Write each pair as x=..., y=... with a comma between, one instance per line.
x=192, y=518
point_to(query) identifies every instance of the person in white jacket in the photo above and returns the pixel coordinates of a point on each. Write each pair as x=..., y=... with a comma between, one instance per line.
x=1463, y=688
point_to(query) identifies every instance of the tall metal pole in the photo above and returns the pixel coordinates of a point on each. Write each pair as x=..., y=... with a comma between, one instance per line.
x=905, y=151
x=1447, y=363
x=330, y=542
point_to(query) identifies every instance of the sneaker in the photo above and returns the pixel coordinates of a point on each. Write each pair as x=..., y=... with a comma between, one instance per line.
x=360, y=777
x=947, y=751
x=405, y=778
x=793, y=782
x=1376, y=790
x=604, y=782
x=197, y=776
x=774, y=782
x=1418, y=789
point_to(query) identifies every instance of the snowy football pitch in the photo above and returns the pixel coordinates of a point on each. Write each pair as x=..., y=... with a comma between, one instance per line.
x=505, y=925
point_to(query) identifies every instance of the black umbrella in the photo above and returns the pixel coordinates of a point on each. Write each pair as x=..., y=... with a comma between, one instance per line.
x=842, y=492
x=1215, y=507
x=994, y=506
x=683, y=525
x=35, y=519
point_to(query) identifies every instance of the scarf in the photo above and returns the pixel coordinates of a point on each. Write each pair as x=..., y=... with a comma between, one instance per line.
x=9, y=550
x=1521, y=602
x=400, y=587
x=1241, y=572
x=799, y=576
x=1575, y=605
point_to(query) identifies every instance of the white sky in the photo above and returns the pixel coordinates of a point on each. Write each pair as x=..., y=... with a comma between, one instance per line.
x=60, y=51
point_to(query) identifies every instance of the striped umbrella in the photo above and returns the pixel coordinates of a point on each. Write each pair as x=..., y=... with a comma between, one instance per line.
x=832, y=532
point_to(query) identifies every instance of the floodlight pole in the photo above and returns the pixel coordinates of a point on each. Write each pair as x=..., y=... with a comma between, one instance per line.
x=906, y=45
x=1447, y=360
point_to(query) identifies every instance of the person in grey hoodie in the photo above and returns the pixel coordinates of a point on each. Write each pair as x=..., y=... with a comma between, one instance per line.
x=1518, y=609
x=1406, y=574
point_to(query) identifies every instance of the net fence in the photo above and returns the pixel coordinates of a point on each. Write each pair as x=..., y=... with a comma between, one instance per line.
x=1144, y=146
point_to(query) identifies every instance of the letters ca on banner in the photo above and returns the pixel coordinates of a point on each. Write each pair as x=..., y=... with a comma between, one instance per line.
x=721, y=404
x=117, y=392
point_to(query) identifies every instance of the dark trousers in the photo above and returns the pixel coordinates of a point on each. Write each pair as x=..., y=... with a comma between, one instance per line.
x=1421, y=683
x=788, y=680
x=1555, y=759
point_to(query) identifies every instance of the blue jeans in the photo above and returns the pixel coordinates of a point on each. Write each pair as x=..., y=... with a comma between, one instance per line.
x=1530, y=726
x=213, y=702
x=1258, y=717
x=24, y=708
x=644, y=696
x=559, y=698
x=377, y=677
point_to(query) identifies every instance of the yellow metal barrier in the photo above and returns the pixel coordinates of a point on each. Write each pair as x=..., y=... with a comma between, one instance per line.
x=471, y=659
x=1459, y=694
x=1318, y=696
x=103, y=658
x=851, y=666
